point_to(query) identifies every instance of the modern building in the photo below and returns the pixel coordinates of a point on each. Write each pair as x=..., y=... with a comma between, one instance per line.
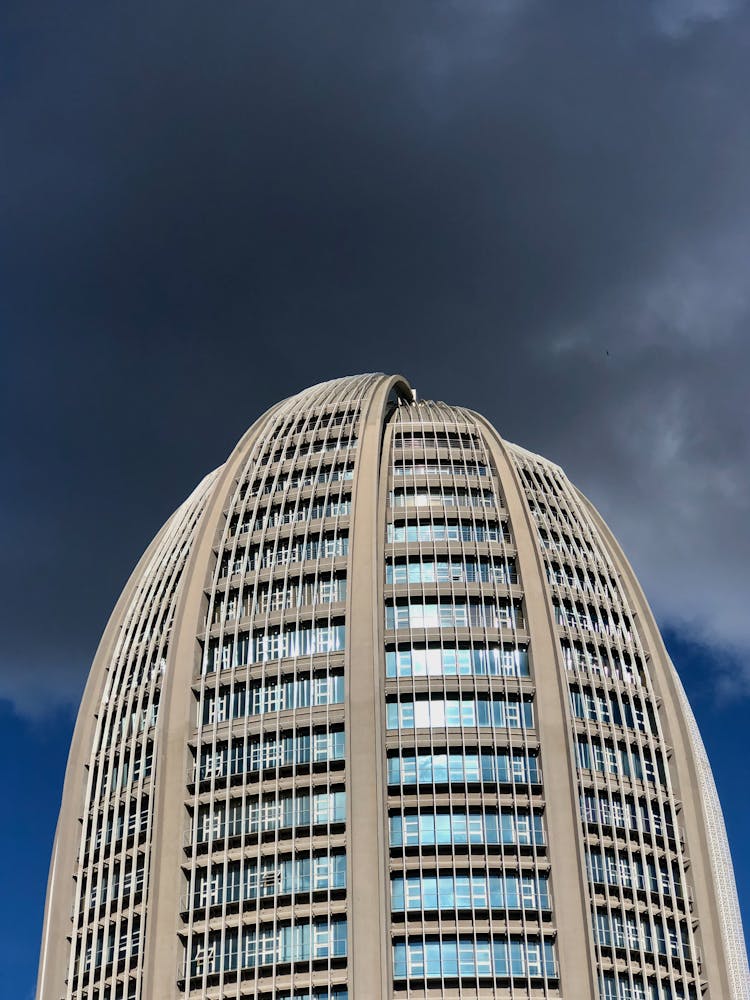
x=383, y=713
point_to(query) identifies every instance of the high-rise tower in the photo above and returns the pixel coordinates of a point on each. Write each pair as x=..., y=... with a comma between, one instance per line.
x=383, y=712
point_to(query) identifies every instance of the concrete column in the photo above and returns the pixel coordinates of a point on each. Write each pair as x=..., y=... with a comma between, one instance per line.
x=368, y=913
x=565, y=849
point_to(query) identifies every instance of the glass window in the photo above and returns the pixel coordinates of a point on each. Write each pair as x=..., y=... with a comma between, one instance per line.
x=517, y=958
x=455, y=712
x=415, y=959
x=442, y=826
x=528, y=893
x=466, y=957
x=411, y=830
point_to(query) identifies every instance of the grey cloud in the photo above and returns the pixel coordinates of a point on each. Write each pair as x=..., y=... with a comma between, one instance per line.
x=205, y=210
x=669, y=461
x=679, y=18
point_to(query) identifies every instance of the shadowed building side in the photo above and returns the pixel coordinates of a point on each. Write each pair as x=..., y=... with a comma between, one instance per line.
x=99, y=878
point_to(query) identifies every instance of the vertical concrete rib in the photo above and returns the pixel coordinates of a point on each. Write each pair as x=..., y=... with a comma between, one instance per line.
x=567, y=864
x=368, y=945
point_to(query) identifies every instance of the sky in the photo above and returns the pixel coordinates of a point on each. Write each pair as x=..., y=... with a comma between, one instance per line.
x=538, y=210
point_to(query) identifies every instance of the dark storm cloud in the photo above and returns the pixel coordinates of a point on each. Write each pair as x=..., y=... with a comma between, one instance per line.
x=538, y=210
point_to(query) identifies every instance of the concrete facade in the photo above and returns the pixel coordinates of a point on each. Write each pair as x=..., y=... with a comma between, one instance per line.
x=383, y=712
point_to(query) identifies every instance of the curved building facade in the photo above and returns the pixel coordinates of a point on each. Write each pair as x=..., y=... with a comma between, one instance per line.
x=383, y=712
